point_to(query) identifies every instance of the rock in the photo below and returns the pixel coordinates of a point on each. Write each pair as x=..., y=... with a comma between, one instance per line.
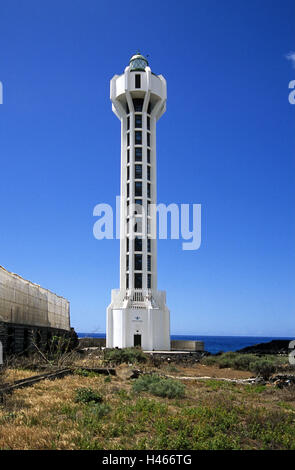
x=125, y=372
x=282, y=381
x=259, y=381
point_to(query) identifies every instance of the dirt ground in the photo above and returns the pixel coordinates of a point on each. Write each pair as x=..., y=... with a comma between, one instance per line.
x=200, y=370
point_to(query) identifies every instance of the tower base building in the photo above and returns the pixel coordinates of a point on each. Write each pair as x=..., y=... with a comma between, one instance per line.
x=138, y=320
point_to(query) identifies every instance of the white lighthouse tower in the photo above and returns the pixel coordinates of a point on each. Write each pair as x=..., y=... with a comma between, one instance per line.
x=138, y=315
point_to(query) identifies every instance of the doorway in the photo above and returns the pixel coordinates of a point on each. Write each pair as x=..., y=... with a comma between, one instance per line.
x=137, y=340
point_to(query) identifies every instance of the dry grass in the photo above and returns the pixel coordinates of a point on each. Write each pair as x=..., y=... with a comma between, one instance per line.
x=212, y=415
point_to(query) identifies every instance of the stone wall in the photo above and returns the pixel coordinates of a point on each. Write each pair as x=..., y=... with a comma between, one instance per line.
x=176, y=345
x=186, y=345
x=92, y=342
x=20, y=339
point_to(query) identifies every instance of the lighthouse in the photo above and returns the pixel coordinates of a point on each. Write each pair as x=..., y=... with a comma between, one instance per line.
x=138, y=315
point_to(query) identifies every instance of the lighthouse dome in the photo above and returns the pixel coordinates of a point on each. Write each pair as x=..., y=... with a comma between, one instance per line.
x=138, y=62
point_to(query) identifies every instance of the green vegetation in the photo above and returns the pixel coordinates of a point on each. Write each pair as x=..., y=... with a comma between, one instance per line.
x=90, y=411
x=87, y=395
x=127, y=355
x=159, y=386
x=263, y=366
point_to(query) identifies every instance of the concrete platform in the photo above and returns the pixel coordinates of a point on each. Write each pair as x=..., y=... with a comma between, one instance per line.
x=171, y=353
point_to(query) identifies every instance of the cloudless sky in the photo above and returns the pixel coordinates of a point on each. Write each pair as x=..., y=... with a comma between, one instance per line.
x=226, y=142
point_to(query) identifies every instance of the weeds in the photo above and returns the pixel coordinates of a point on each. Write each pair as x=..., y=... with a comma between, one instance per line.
x=70, y=413
x=87, y=395
x=159, y=386
x=264, y=366
x=126, y=355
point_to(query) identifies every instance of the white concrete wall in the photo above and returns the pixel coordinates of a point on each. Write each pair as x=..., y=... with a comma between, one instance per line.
x=152, y=324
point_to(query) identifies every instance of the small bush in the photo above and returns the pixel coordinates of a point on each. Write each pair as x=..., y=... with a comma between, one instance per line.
x=98, y=410
x=87, y=395
x=86, y=373
x=210, y=361
x=159, y=386
x=243, y=361
x=239, y=361
x=263, y=367
x=126, y=355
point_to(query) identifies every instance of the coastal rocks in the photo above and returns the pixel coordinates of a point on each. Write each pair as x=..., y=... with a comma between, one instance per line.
x=276, y=346
x=282, y=381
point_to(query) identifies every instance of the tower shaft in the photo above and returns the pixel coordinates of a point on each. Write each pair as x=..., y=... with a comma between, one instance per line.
x=138, y=308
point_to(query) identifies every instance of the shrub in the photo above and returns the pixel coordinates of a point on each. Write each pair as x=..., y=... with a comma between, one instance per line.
x=210, y=360
x=239, y=361
x=243, y=361
x=127, y=355
x=87, y=395
x=263, y=367
x=159, y=386
x=98, y=410
x=86, y=373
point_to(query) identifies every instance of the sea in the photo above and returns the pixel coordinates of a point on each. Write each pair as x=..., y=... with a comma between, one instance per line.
x=212, y=344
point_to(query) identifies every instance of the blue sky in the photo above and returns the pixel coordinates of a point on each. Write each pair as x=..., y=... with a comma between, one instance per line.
x=226, y=142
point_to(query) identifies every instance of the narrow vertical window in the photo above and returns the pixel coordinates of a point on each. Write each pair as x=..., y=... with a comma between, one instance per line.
x=138, y=188
x=138, y=281
x=148, y=156
x=148, y=123
x=138, y=121
x=149, y=281
x=127, y=244
x=138, y=137
x=128, y=156
x=128, y=139
x=138, y=244
x=127, y=262
x=148, y=190
x=138, y=154
x=138, y=262
x=149, y=263
x=149, y=173
x=148, y=139
x=138, y=103
x=128, y=172
x=138, y=171
x=127, y=189
x=128, y=123
x=127, y=281
x=137, y=81
x=149, y=245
